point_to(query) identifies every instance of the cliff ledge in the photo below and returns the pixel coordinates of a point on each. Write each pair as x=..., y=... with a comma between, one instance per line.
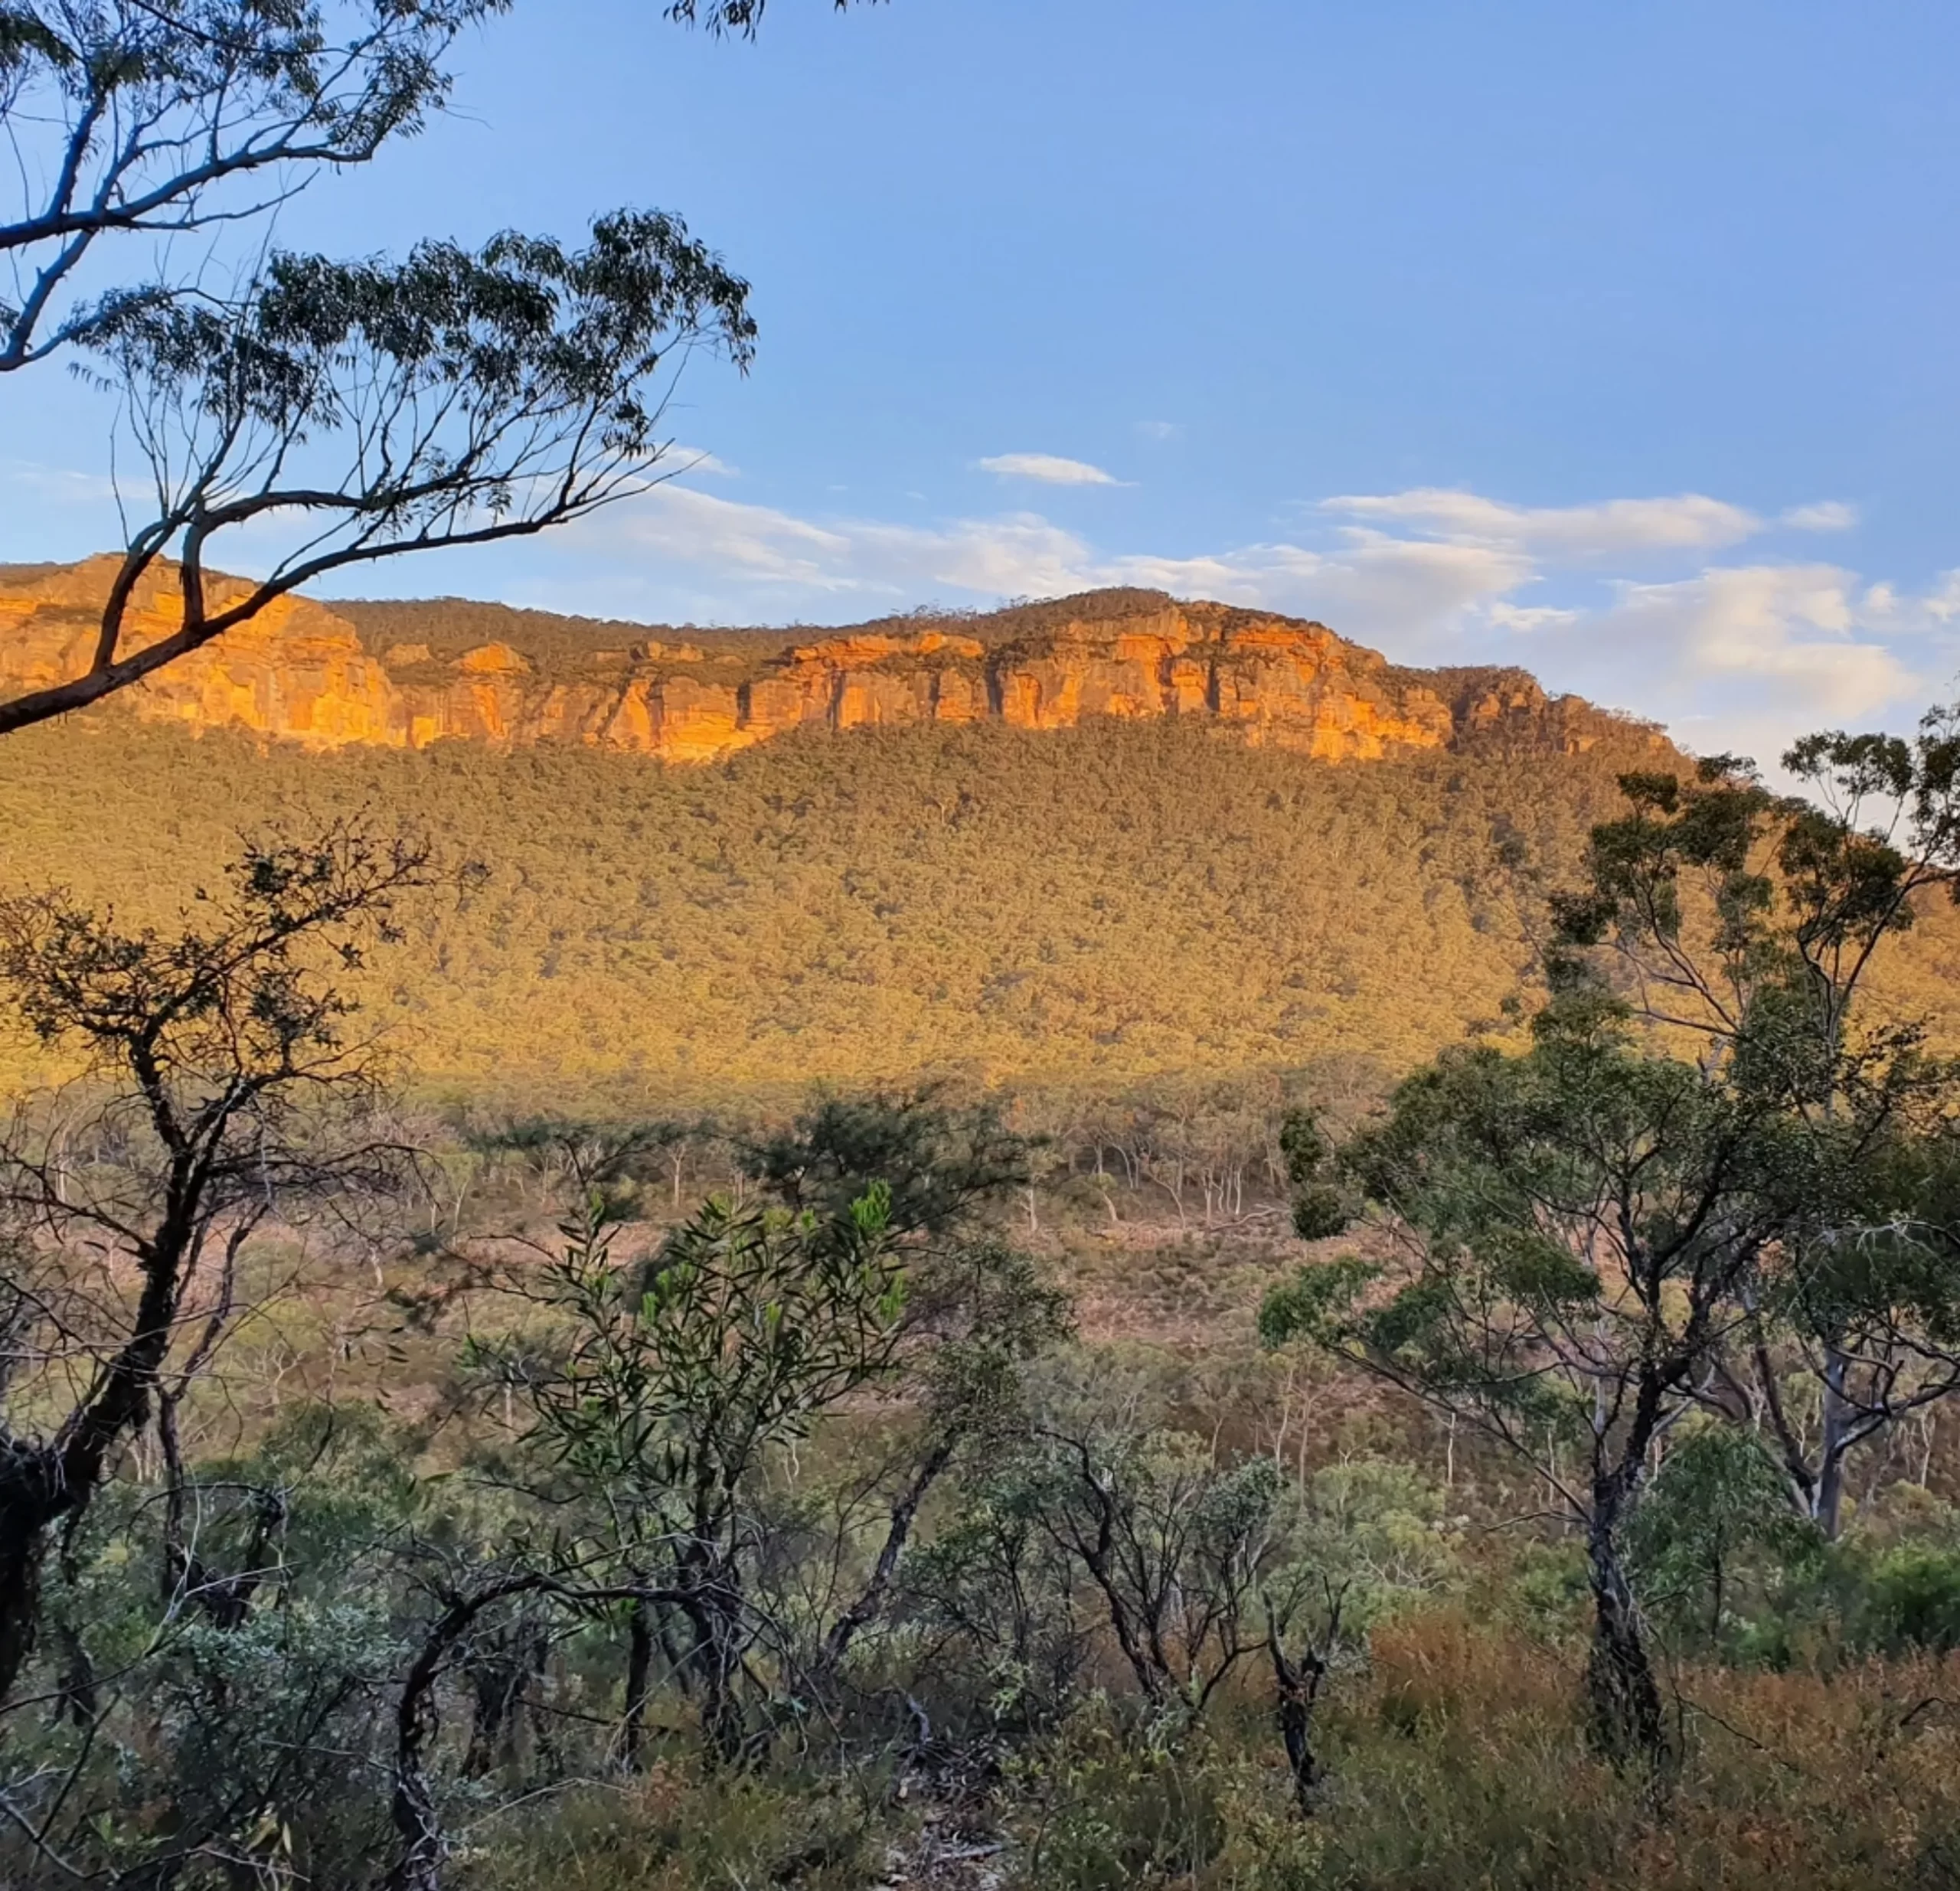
x=301, y=671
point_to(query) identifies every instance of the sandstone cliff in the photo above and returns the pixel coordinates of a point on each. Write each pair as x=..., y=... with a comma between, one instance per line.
x=301, y=671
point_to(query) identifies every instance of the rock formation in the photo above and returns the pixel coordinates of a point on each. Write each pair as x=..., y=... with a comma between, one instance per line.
x=300, y=672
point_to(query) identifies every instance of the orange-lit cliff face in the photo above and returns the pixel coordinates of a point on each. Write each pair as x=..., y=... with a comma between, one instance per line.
x=300, y=672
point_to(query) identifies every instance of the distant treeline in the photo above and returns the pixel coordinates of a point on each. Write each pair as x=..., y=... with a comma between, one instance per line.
x=450, y=625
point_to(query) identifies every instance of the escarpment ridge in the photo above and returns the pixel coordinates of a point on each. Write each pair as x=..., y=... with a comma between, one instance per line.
x=405, y=675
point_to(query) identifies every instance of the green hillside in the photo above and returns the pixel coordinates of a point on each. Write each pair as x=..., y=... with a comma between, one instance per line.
x=1089, y=905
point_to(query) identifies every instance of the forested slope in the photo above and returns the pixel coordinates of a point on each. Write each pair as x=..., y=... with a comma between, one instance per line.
x=1084, y=905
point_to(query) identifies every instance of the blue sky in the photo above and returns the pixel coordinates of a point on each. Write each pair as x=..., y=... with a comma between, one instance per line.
x=1615, y=340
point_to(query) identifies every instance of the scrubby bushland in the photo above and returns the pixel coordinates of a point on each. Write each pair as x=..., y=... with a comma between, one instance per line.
x=615, y=1500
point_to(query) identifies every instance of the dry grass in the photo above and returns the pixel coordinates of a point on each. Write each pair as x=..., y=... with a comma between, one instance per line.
x=1462, y=1764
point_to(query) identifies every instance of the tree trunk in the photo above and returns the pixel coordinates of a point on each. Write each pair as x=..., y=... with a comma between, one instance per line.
x=712, y=1604
x=1622, y=1697
x=1297, y=1685
x=41, y=1484
x=871, y=1597
x=496, y=1684
x=639, y=1681
x=722, y=1717
x=23, y=1526
x=1828, y=1500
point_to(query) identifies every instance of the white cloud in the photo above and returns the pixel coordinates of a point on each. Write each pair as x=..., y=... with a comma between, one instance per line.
x=58, y=484
x=680, y=461
x=1744, y=657
x=1943, y=605
x=1050, y=469
x=754, y=546
x=1373, y=586
x=1786, y=631
x=1826, y=515
x=1528, y=618
x=1730, y=655
x=1159, y=429
x=1688, y=521
x=1411, y=594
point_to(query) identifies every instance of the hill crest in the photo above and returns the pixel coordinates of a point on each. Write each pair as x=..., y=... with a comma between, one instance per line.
x=407, y=674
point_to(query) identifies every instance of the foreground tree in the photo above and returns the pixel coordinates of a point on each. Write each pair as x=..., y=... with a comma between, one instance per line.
x=361, y=410
x=1579, y=1226
x=662, y=1396
x=222, y=1087
x=368, y=410
x=1602, y=1234
x=160, y=121
x=1744, y=927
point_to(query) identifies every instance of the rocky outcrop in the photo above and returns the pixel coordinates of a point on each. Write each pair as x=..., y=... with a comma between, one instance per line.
x=300, y=672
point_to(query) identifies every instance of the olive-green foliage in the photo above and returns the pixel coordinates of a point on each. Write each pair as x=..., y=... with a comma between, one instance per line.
x=1715, y=1529
x=1587, y=1186
x=1912, y=1600
x=1097, y=903
x=662, y=1386
x=681, y=1828
x=182, y=1731
x=1123, y=1812
x=936, y=1161
x=1744, y=928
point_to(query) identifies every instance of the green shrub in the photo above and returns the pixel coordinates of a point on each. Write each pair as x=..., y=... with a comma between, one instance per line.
x=1912, y=1600
x=1117, y=1809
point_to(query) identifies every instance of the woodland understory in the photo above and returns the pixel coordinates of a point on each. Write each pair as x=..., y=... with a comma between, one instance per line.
x=1542, y=1468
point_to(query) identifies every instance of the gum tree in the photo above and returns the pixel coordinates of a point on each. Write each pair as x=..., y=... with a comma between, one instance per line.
x=1744, y=928
x=1577, y=1228
x=357, y=409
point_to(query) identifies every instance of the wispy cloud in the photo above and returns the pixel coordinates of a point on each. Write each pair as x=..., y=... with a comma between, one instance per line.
x=681, y=461
x=1690, y=521
x=1372, y=585
x=1050, y=470
x=1824, y=515
x=57, y=485
x=752, y=546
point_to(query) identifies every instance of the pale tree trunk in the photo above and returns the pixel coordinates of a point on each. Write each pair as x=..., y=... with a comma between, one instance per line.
x=1827, y=1502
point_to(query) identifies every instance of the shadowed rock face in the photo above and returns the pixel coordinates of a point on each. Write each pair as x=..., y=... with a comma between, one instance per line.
x=300, y=672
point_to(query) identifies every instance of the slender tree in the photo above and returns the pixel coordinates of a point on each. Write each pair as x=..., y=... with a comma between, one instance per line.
x=224, y=1086
x=1744, y=927
x=1579, y=1227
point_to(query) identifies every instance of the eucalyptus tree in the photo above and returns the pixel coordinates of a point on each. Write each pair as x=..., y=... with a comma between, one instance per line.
x=1744, y=927
x=370, y=410
x=134, y=120
x=1577, y=1228
x=357, y=410
x=1602, y=1235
